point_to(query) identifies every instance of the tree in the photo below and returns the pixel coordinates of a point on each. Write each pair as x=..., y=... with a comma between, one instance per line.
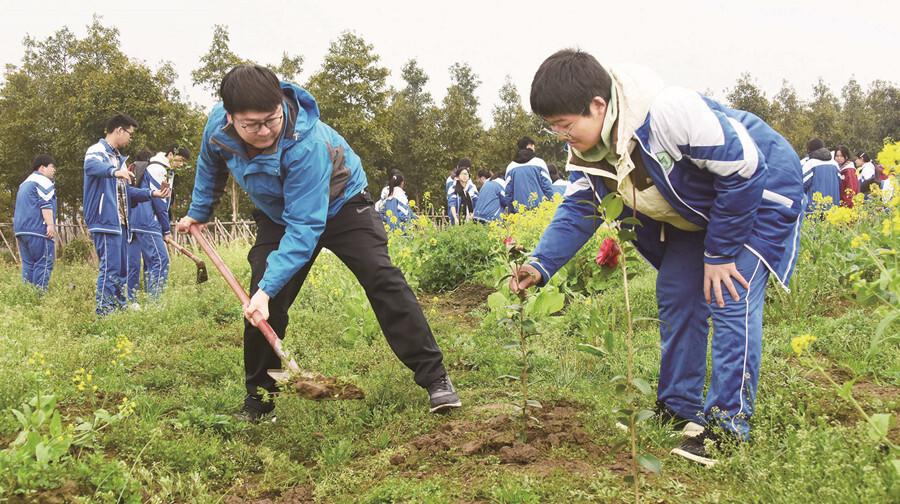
x=351, y=91
x=59, y=99
x=824, y=112
x=745, y=95
x=790, y=119
x=413, y=152
x=460, y=127
x=510, y=122
x=220, y=59
x=856, y=126
x=883, y=101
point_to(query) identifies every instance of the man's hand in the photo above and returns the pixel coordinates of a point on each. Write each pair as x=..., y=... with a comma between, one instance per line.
x=525, y=277
x=124, y=174
x=51, y=232
x=184, y=225
x=714, y=275
x=162, y=193
x=258, y=303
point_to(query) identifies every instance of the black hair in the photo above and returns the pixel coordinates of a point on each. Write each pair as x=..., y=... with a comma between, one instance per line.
x=42, y=160
x=554, y=171
x=525, y=141
x=865, y=156
x=567, y=82
x=175, y=150
x=844, y=151
x=250, y=87
x=396, y=180
x=500, y=174
x=814, y=144
x=143, y=155
x=120, y=121
x=484, y=173
x=464, y=163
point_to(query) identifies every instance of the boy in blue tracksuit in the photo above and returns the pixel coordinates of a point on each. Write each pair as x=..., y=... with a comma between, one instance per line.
x=489, y=206
x=310, y=191
x=822, y=176
x=528, y=180
x=150, y=222
x=33, y=222
x=720, y=197
x=107, y=198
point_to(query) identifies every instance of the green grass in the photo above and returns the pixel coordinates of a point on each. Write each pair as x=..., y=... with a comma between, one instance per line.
x=185, y=375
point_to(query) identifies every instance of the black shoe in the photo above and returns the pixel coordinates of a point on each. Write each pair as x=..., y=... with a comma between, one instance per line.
x=443, y=395
x=254, y=410
x=696, y=448
x=667, y=416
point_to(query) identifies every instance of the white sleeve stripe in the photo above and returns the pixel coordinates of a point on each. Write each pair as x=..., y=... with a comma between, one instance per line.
x=777, y=198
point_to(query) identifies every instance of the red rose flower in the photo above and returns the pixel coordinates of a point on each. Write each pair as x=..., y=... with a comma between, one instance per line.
x=608, y=255
x=509, y=241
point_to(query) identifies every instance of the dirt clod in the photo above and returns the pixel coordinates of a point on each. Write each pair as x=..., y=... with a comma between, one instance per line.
x=518, y=453
x=316, y=387
x=398, y=459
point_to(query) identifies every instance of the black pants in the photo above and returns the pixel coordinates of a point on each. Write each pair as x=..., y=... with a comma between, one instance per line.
x=356, y=236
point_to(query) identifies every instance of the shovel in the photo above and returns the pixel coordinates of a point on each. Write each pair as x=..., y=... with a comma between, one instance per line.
x=287, y=360
x=202, y=275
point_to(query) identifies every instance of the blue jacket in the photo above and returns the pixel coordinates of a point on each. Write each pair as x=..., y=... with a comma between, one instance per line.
x=99, y=203
x=152, y=216
x=299, y=182
x=528, y=183
x=490, y=201
x=454, y=201
x=723, y=170
x=36, y=193
x=398, y=205
x=822, y=175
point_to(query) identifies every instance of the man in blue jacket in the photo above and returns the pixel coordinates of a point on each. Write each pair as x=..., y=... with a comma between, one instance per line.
x=107, y=197
x=527, y=179
x=719, y=196
x=33, y=222
x=310, y=191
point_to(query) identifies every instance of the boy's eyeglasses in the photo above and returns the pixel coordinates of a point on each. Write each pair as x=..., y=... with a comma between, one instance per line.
x=270, y=124
x=567, y=135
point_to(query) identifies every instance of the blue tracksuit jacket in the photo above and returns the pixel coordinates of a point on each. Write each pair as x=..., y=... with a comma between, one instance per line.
x=36, y=193
x=99, y=203
x=299, y=182
x=490, y=201
x=527, y=184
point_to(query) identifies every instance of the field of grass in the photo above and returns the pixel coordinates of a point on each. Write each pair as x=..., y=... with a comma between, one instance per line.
x=170, y=377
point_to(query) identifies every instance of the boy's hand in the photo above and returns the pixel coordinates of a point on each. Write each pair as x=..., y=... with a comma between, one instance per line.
x=124, y=174
x=258, y=303
x=525, y=277
x=714, y=275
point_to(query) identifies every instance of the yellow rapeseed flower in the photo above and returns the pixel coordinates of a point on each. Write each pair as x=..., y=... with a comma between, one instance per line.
x=800, y=343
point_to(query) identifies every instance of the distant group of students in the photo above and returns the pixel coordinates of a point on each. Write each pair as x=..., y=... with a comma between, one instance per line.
x=522, y=185
x=126, y=210
x=836, y=177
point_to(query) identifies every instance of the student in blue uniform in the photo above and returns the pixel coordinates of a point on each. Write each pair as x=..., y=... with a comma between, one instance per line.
x=720, y=197
x=33, y=222
x=395, y=212
x=490, y=198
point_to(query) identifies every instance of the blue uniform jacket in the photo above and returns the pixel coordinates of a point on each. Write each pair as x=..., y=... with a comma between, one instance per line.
x=723, y=170
x=490, y=201
x=36, y=193
x=99, y=202
x=527, y=184
x=823, y=177
x=299, y=182
x=152, y=217
x=454, y=201
x=398, y=206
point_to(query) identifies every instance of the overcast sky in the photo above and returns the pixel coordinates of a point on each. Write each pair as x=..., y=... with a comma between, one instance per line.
x=701, y=44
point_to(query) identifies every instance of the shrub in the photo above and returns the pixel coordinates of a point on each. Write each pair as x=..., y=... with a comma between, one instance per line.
x=454, y=255
x=78, y=250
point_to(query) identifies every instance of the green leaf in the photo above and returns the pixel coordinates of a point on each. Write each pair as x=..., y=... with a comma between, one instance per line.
x=618, y=446
x=512, y=344
x=879, y=331
x=549, y=302
x=882, y=423
x=591, y=349
x=643, y=415
x=609, y=339
x=55, y=424
x=509, y=377
x=633, y=221
x=642, y=385
x=621, y=389
x=497, y=302
x=533, y=403
x=896, y=464
x=529, y=326
x=612, y=206
x=650, y=462
x=629, y=479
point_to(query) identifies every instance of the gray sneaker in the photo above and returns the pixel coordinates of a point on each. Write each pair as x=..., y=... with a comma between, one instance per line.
x=443, y=395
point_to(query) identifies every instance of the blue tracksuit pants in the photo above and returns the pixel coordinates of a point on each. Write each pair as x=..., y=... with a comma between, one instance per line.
x=156, y=262
x=112, y=277
x=133, y=276
x=736, y=340
x=38, y=257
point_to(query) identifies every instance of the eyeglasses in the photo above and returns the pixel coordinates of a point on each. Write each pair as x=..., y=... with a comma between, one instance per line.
x=130, y=133
x=564, y=136
x=270, y=124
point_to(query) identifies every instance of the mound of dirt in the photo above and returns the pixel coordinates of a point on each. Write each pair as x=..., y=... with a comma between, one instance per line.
x=317, y=387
